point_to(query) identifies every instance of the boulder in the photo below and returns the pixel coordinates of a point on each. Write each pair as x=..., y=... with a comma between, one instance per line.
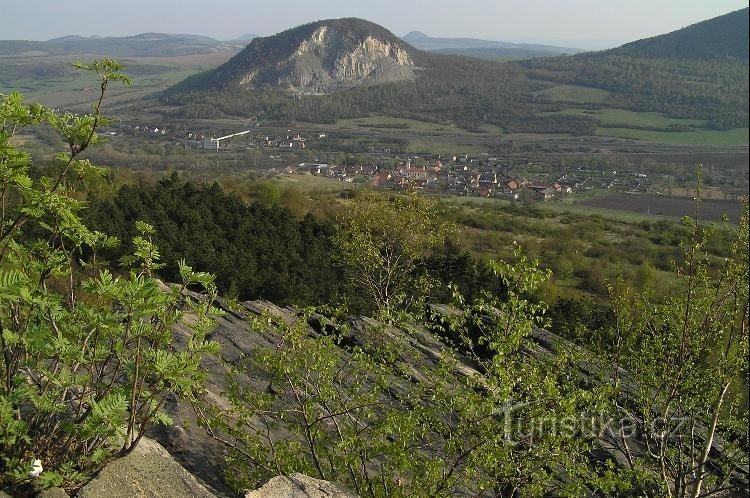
x=299, y=486
x=148, y=471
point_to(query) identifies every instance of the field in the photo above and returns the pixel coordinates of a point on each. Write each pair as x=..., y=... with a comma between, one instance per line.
x=710, y=209
x=655, y=127
x=625, y=118
x=737, y=136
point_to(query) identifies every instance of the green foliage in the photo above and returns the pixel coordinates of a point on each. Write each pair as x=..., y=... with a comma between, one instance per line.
x=688, y=357
x=382, y=239
x=87, y=358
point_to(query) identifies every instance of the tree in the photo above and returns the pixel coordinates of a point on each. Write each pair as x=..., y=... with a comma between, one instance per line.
x=686, y=357
x=86, y=356
x=382, y=240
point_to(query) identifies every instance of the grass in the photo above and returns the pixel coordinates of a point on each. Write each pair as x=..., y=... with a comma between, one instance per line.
x=609, y=116
x=307, y=183
x=737, y=136
x=623, y=123
x=577, y=94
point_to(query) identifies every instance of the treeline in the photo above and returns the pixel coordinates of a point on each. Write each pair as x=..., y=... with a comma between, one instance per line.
x=712, y=90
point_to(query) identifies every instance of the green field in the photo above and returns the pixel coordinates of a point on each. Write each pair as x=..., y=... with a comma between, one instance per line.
x=558, y=208
x=575, y=93
x=625, y=124
x=737, y=136
x=628, y=119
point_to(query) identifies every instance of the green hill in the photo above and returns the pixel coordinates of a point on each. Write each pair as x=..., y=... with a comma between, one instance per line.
x=718, y=38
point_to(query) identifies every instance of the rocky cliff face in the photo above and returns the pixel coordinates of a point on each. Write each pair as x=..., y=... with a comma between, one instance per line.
x=316, y=58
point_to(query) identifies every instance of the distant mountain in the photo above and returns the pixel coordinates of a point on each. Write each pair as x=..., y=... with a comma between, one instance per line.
x=142, y=45
x=484, y=48
x=721, y=37
x=26, y=47
x=247, y=37
x=315, y=58
x=68, y=39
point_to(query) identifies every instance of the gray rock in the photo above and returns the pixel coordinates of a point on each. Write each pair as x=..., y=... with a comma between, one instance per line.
x=299, y=486
x=149, y=471
x=53, y=493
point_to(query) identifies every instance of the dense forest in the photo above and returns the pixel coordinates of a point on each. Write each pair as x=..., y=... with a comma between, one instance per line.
x=256, y=250
x=720, y=38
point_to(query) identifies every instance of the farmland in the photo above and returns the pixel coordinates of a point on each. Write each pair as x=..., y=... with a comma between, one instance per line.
x=710, y=209
x=737, y=136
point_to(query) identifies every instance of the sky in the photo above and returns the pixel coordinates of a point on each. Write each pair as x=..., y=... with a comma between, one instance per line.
x=590, y=24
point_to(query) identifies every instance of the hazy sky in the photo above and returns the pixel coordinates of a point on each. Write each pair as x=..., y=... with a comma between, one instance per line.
x=579, y=23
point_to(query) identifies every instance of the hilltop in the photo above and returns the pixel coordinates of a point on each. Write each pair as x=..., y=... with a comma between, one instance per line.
x=316, y=58
x=351, y=67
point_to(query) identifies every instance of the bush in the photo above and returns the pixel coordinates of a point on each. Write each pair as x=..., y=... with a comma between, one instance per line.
x=87, y=359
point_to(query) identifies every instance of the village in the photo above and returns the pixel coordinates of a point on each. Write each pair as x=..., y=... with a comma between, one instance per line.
x=512, y=177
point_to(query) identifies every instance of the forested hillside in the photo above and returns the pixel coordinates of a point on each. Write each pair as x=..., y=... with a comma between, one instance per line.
x=671, y=74
x=713, y=90
x=698, y=72
x=723, y=37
